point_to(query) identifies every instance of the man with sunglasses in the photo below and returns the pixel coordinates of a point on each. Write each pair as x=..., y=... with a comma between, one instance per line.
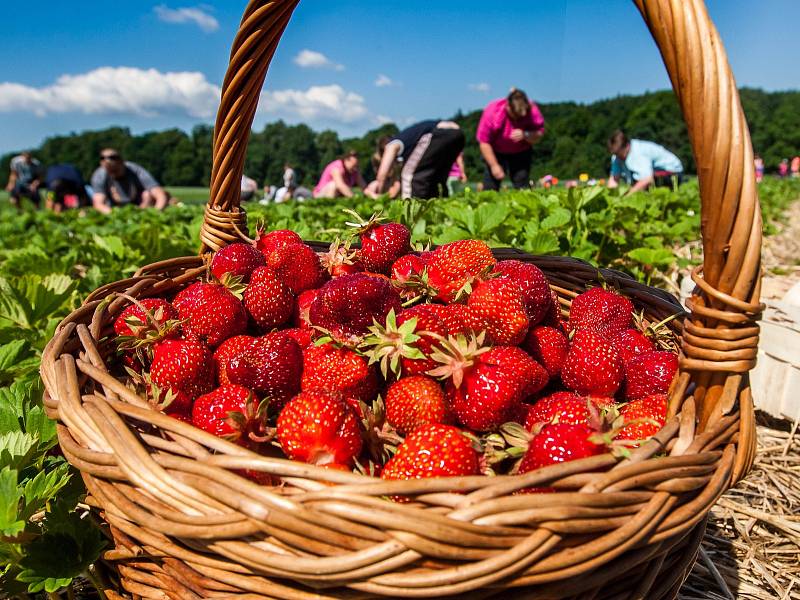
x=117, y=182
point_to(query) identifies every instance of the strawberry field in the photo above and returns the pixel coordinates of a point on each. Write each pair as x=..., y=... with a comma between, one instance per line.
x=48, y=263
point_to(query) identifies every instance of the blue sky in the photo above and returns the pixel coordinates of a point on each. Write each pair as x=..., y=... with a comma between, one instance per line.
x=349, y=64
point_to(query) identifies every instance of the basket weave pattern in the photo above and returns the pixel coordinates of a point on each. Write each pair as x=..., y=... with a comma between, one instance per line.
x=185, y=525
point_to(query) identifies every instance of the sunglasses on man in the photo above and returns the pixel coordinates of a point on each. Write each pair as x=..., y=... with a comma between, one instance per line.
x=110, y=157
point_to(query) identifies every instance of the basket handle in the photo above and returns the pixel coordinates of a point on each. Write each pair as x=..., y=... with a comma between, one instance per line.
x=719, y=336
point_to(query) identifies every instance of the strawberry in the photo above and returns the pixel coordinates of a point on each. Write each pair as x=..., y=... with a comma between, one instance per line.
x=338, y=369
x=553, y=317
x=566, y=407
x=297, y=265
x=455, y=317
x=415, y=401
x=237, y=260
x=433, y=450
x=304, y=301
x=318, y=427
x=382, y=244
x=631, y=342
x=211, y=312
x=346, y=306
x=557, y=443
x=592, y=366
x=271, y=366
x=267, y=242
x=485, y=386
x=649, y=373
x=133, y=321
x=182, y=365
x=455, y=266
x=302, y=335
x=405, y=343
x=549, y=346
x=533, y=284
x=406, y=267
x=340, y=259
x=267, y=299
x=231, y=347
x=643, y=418
x=230, y=412
x=496, y=305
x=604, y=311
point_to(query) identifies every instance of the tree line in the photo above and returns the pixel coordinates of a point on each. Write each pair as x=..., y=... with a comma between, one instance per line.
x=574, y=141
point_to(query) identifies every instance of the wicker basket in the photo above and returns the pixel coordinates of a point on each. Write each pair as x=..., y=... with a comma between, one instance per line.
x=184, y=525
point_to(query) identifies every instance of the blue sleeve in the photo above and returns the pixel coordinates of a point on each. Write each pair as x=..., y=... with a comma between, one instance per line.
x=616, y=171
x=640, y=165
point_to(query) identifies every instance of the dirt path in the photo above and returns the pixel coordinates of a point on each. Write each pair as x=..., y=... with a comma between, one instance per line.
x=781, y=256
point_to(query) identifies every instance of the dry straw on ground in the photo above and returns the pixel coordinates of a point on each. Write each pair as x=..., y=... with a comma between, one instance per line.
x=751, y=550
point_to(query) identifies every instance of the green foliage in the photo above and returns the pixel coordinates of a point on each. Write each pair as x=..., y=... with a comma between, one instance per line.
x=49, y=262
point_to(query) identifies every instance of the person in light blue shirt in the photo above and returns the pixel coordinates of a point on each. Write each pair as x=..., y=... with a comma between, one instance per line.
x=641, y=163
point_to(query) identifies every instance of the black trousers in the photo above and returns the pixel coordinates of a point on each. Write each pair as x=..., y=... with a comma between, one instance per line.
x=517, y=167
x=424, y=174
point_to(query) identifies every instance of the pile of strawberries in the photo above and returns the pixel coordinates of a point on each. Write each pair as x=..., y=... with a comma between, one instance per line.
x=397, y=363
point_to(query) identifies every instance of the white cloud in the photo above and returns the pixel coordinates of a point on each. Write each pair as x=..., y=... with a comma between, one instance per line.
x=318, y=102
x=311, y=59
x=383, y=119
x=116, y=90
x=196, y=15
x=383, y=81
x=482, y=87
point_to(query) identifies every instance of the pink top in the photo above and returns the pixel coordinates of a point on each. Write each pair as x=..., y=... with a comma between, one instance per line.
x=495, y=127
x=455, y=170
x=350, y=179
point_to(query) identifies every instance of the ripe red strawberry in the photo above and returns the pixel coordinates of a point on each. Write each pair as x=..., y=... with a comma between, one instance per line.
x=496, y=306
x=549, y=346
x=433, y=450
x=297, y=265
x=567, y=407
x=237, y=260
x=455, y=317
x=606, y=312
x=132, y=321
x=267, y=299
x=406, y=267
x=302, y=335
x=557, y=443
x=593, y=366
x=267, y=242
x=414, y=401
x=649, y=373
x=230, y=411
x=458, y=264
x=346, y=306
x=630, y=343
x=211, y=312
x=532, y=282
x=382, y=244
x=182, y=365
x=231, y=347
x=318, y=427
x=271, y=366
x=341, y=260
x=643, y=418
x=404, y=345
x=339, y=369
x=485, y=386
x=304, y=301
x=553, y=317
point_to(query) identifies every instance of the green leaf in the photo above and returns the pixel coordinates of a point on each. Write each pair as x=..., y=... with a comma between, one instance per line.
x=11, y=353
x=16, y=449
x=37, y=492
x=543, y=242
x=557, y=218
x=10, y=496
x=652, y=256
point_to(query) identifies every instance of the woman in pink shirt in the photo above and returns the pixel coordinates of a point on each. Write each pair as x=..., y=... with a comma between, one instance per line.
x=340, y=177
x=507, y=130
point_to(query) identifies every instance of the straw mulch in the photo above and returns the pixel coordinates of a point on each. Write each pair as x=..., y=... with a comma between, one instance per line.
x=751, y=549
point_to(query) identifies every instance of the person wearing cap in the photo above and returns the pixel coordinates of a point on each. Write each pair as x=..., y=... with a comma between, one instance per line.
x=24, y=179
x=340, y=177
x=641, y=163
x=117, y=182
x=507, y=130
x=426, y=150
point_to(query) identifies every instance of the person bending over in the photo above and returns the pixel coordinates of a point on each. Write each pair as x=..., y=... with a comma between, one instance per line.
x=340, y=177
x=426, y=150
x=508, y=129
x=117, y=182
x=641, y=163
x=65, y=188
